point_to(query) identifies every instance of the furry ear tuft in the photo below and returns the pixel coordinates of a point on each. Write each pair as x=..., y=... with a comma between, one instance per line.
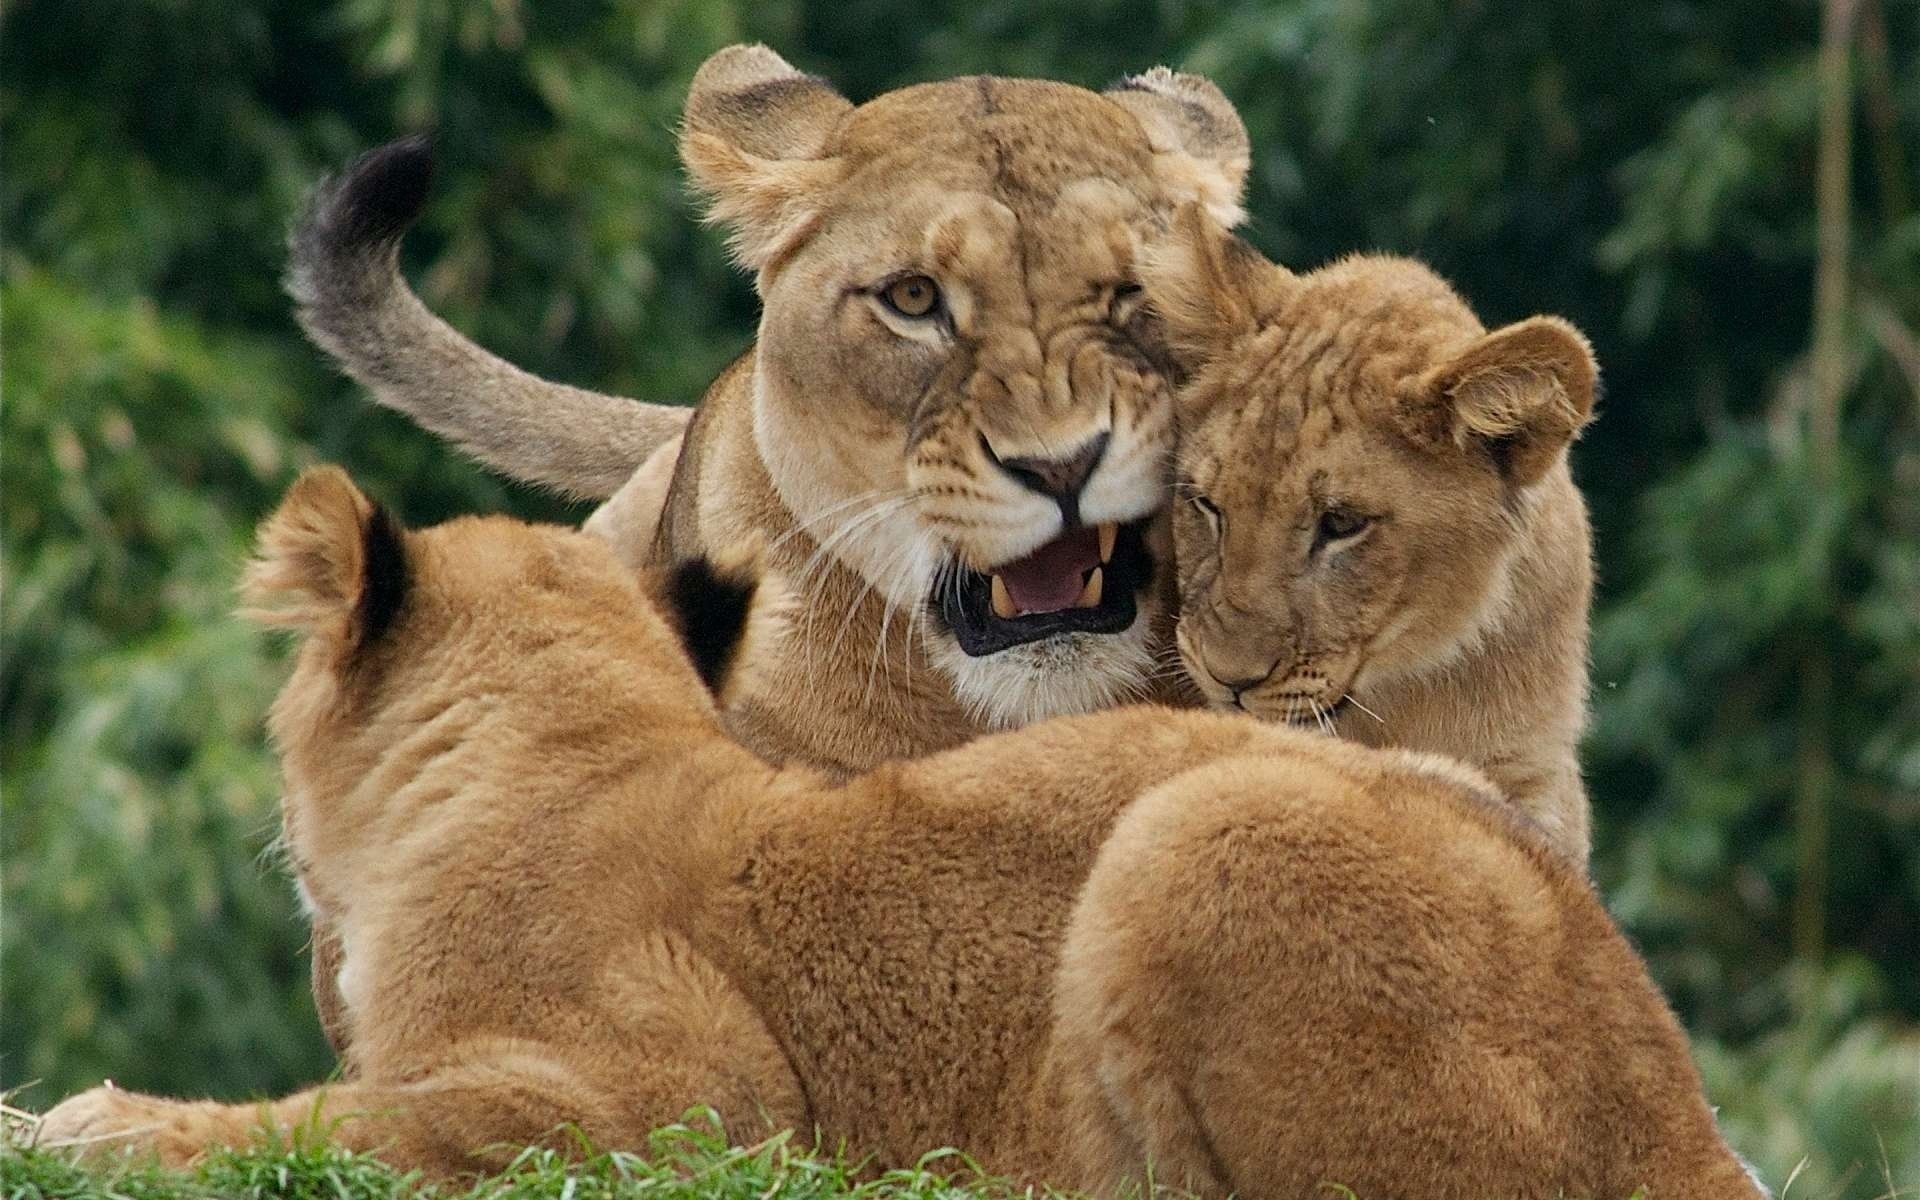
x=755, y=100
x=1522, y=393
x=726, y=609
x=753, y=138
x=1200, y=146
x=1206, y=284
x=769, y=207
x=327, y=560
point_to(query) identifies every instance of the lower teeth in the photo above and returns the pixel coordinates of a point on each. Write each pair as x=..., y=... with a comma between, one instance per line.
x=1090, y=595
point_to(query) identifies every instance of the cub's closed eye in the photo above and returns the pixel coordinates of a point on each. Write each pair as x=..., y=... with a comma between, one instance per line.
x=1338, y=525
x=1124, y=303
x=915, y=297
x=1209, y=510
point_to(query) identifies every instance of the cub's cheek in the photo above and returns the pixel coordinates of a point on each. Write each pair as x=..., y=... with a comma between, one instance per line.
x=108, y=1121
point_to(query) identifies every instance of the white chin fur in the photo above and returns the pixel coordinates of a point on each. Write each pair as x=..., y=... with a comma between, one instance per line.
x=1073, y=673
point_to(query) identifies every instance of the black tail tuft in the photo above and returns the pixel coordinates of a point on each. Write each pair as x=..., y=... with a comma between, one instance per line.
x=368, y=206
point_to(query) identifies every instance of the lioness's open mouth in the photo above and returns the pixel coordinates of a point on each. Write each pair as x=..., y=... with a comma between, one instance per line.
x=1084, y=581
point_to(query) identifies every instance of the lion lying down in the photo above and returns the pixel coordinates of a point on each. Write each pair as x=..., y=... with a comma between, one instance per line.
x=1250, y=957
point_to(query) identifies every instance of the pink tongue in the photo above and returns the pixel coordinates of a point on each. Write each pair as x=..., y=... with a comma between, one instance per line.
x=1052, y=577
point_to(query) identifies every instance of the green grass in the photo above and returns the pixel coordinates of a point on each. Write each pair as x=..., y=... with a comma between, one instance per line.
x=684, y=1162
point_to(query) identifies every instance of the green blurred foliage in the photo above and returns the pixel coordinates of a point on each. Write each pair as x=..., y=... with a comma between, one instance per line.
x=1644, y=169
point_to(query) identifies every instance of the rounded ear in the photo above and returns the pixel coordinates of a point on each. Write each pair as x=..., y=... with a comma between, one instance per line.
x=753, y=137
x=1521, y=394
x=1199, y=143
x=327, y=560
x=1208, y=286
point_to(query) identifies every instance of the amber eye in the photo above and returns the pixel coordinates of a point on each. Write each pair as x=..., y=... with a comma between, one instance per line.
x=1339, y=524
x=913, y=296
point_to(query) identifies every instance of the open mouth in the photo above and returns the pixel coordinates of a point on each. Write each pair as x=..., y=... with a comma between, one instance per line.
x=1087, y=580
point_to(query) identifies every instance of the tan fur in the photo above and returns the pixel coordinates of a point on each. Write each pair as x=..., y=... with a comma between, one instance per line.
x=1457, y=622
x=1248, y=957
x=1023, y=200
x=854, y=444
x=630, y=519
x=852, y=448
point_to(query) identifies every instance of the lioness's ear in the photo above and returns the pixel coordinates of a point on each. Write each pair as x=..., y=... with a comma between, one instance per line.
x=1199, y=143
x=1522, y=393
x=754, y=139
x=1208, y=286
x=725, y=610
x=327, y=560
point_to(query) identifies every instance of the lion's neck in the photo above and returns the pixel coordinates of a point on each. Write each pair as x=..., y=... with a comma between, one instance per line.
x=854, y=687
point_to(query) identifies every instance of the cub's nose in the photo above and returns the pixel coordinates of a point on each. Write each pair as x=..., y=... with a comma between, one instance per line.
x=1059, y=479
x=1237, y=678
x=1242, y=684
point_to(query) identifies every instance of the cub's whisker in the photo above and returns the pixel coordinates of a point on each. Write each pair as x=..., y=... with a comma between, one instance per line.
x=1350, y=698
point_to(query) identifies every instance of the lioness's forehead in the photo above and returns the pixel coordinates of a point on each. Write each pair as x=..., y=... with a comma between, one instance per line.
x=978, y=175
x=1023, y=141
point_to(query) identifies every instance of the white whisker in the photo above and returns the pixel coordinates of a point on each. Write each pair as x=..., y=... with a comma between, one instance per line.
x=823, y=557
x=898, y=563
x=1353, y=700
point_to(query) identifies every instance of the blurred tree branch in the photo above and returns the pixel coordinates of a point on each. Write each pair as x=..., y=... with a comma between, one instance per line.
x=1831, y=272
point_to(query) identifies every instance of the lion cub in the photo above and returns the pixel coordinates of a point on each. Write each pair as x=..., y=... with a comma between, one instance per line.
x=1253, y=958
x=1375, y=530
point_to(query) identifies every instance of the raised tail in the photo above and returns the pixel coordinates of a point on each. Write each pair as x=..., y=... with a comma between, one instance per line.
x=344, y=275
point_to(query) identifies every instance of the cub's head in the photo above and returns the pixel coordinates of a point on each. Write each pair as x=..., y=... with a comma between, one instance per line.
x=404, y=629
x=1358, y=458
x=959, y=394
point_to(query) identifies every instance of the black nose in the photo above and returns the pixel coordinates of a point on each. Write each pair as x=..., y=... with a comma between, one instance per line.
x=1058, y=479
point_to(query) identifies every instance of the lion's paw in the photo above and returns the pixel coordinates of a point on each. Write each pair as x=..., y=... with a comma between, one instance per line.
x=107, y=1120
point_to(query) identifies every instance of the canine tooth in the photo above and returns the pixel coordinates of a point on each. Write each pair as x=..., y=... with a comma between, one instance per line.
x=1002, y=602
x=1109, y=533
x=1090, y=596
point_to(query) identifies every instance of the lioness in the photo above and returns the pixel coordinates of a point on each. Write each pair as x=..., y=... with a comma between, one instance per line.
x=1378, y=532
x=1244, y=957
x=956, y=417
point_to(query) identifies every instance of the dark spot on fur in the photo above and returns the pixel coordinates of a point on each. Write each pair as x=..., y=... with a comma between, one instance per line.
x=763, y=102
x=989, y=102
x=384, y=586
x=710, y=608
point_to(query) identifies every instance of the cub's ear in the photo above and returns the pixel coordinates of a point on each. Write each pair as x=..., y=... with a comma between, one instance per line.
x=1209, y=287
x=1520, y=394
x=1200, y=145
x=329, y=560
x=754, y=139
x=727, y=611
